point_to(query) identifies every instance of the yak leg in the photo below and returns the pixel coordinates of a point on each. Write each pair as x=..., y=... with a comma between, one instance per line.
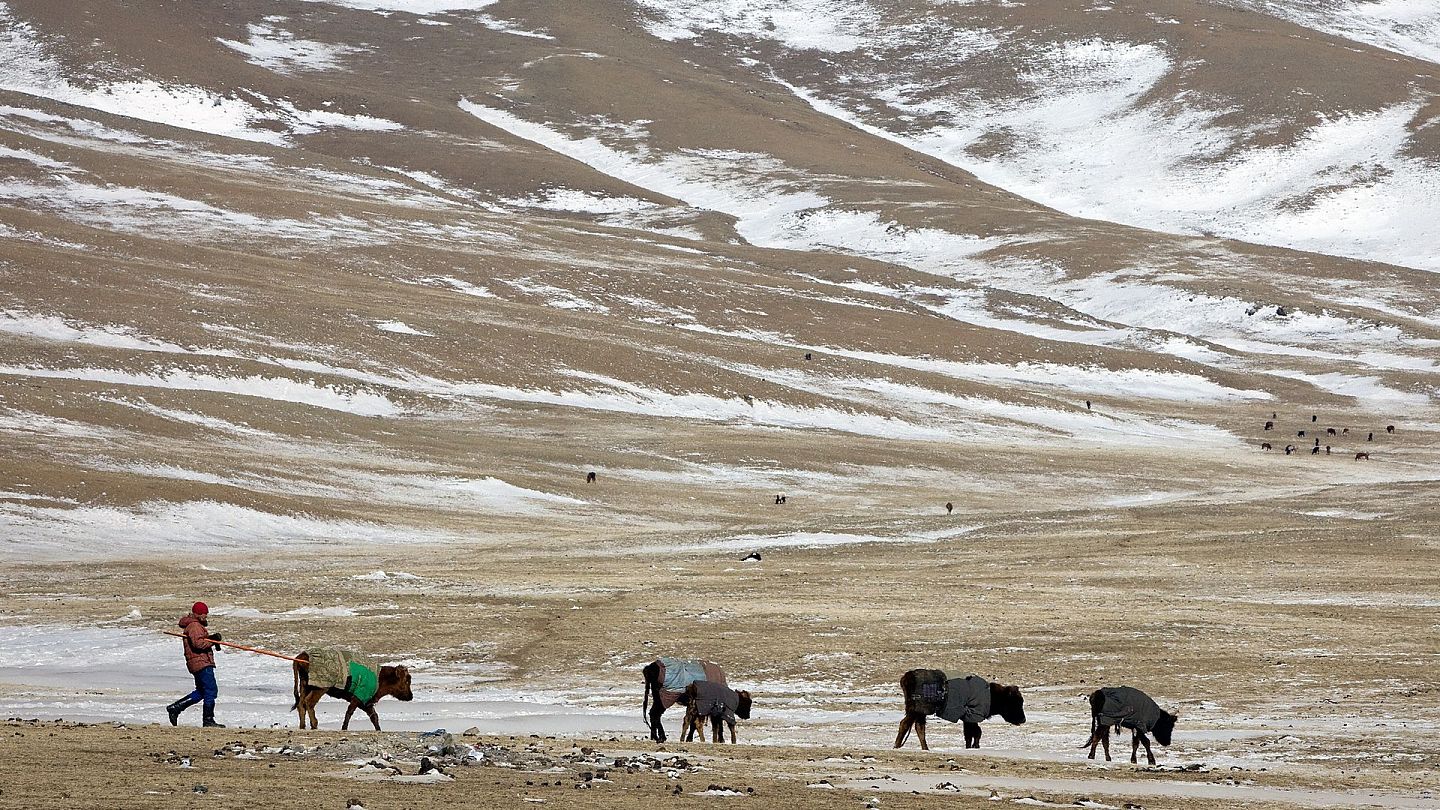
x=905, y=723
x=1150, y=755
x=311, y=701
x=657, y=729
x=1134, y=744
x=920, y=732
x=1105, y=740
x=717, y=729
x=374, y=718
x=732, y=733
x=349, y=712
x=972, y=734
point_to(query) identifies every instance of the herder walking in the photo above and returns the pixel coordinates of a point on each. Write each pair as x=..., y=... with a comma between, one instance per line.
x=200, y=660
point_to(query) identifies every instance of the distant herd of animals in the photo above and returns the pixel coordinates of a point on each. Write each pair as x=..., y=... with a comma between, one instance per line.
x=1316, y=449
x=701, y=687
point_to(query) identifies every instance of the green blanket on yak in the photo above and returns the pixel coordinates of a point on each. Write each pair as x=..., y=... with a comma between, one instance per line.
x=350, y=671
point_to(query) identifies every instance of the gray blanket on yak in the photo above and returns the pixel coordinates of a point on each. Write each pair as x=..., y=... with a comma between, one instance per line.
x=928, y=696
x=967, y=699
x=716, y=699
x=1129, y=707
x=678, y=673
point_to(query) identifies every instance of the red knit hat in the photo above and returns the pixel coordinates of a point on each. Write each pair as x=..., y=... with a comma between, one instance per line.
x=200, y=608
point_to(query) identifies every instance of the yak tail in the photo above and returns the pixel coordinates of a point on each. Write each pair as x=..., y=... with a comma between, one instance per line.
x=905, y=736
x=1094, y=729
x=645, y=703
x=296, y=669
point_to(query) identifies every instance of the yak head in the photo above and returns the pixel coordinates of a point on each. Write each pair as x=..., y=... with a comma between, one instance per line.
x=396, y=681
x=1164, y=727
x=743, y=710
x=1009, y=704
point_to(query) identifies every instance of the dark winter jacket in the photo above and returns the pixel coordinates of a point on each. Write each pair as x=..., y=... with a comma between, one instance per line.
x=199, y=650
x=966, y=699
x=1129, y=707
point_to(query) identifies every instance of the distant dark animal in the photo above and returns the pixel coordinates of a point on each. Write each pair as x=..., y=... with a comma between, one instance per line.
x=1314, y=450
x=590, y=478
x=1087, y=404
x=1331, y=432
x=666, y=679
x=1269, y=425
x=1389, y=428
x=753, y=556
x=1300, y=433
x=1362, y=456
x=1327, y=449
x=1264, y=445
x=967, y=700
x=717, y=703
x=1314, y=418
x=808, y=357
x=949, y=507
x=1345, y=432
x=1370, y=437
x=1274, y=415
x=391, y=681
x=1127, y=707
x=779, y=499
x=1289, y=448
x=1317, y=441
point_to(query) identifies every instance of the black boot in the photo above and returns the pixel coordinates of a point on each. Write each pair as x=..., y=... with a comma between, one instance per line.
x=210, y=717
x=174, y=709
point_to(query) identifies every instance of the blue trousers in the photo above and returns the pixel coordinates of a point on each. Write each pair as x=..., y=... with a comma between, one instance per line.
x=205, y=688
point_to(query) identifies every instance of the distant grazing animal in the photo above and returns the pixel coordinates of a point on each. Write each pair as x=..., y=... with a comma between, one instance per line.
x=1087, y=404
x=1317, y=441
x=666, y=679
x=1264, y=445
x=1300, y=433
x=1370, y=437
x=949, y=507
x=1345, y=432
x=1274, y=415
x=779, y=499
x=1289, y=448
x=1327, y=449
x=753, y=556
x=337, y=676
x=808, y=357
x=1330, y=432
x=1269, y=425
x=1314, y=418
x=1389, y=428
x=590, y=478
x=1362, y=456
x=1314, y=450
x=967, y=700
x=1125, y=706
x=717, y=703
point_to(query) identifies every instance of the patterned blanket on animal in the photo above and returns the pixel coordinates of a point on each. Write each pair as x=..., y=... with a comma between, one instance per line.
x=967, y=699
x=1129, y=707
x=350, y=671
x=678, y=673
x=928, y=696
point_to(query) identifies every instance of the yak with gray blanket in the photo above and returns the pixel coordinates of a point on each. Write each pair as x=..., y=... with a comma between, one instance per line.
x=967, y=700
x=1128, y=707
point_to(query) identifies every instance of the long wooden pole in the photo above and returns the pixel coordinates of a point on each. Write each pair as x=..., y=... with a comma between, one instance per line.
x=238, y=647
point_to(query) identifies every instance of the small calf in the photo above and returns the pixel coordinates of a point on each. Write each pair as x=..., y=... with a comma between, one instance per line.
x=1128, y=707
x=716, y=702
x=1264, y=445
x=1362, y=456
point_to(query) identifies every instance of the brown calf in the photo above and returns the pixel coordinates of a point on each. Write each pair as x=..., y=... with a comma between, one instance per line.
x=696, y=713
x=394, y=681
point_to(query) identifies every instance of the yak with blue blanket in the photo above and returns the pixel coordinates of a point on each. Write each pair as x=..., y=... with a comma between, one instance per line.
x=967, y=700
x=666, y=679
